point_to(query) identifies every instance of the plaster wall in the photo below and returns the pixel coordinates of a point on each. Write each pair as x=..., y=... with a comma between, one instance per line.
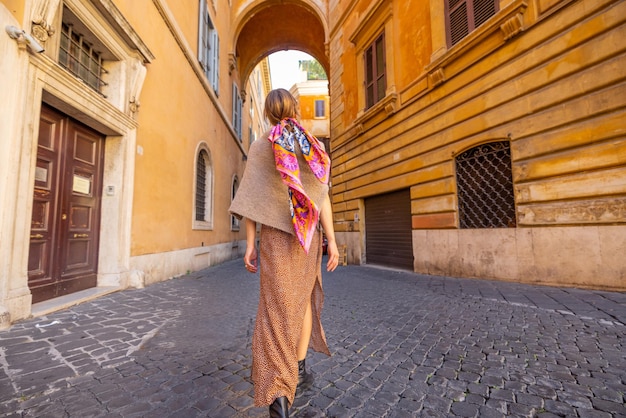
x=152, y=268
x=586, y=257
x=14, y=293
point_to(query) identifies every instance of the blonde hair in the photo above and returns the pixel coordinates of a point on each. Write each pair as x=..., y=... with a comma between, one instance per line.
x=280, y=104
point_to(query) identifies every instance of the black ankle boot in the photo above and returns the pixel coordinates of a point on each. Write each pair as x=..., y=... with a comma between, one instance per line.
x=279, y=408
x=305, y=380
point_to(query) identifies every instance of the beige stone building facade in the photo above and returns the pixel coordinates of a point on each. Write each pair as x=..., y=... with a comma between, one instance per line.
x=125, y=127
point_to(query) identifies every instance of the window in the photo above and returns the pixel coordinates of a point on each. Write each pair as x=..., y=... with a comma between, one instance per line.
x=463, y=16
x=236, y=111
x=208, y=47
x=373, y=71
x=234, y=222
x=375, y=79
x=77, y=55
x=203, y=208
x=485, y=187
x=320, y=108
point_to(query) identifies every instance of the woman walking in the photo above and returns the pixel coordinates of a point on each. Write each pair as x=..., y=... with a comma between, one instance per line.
x=285, y=189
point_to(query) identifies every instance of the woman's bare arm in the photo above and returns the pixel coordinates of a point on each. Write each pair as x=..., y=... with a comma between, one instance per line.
x=326, y=219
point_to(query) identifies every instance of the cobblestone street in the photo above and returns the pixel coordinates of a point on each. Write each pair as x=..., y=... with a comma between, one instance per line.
x=404, y=345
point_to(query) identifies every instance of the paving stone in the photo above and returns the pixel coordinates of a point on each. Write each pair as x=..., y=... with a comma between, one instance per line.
x=520, y=410
x=445, y=347
x=559, y=408
x=465, y=409
x=608, y=406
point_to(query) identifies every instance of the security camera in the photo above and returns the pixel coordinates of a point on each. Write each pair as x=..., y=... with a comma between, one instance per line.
x=33, y=44
x=22, y=36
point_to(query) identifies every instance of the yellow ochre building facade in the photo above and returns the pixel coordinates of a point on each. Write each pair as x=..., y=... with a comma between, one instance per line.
x=482, y=138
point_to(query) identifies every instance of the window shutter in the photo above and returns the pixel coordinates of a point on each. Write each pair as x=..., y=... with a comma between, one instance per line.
x=381, y=79
x=369, y=77
x=215, y=63
x=234, y=109
x=464, y=16
x=202, y=35
x=375, y=78
x=459, y=24
x=483, y=10
x=239, y=111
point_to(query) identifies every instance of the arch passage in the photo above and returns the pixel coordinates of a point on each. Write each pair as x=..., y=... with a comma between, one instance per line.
x=274, y=27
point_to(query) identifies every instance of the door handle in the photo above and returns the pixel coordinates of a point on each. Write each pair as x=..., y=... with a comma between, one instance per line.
x=36, y=236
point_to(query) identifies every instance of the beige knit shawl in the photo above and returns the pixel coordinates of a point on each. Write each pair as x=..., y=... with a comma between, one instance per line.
x=263, y=197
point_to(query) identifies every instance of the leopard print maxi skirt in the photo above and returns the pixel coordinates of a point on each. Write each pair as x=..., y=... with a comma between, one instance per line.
x=289, y=279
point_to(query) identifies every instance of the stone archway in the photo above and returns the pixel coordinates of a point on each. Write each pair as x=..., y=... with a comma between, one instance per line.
x=270, y=26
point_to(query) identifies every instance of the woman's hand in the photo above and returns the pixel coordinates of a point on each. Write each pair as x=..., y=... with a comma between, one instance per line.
x=326, y=219
x=250, y=259
x=333, y=256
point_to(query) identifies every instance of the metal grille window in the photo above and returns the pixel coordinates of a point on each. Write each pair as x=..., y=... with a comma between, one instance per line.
x=234, y=222
x=78, y=56
x=463, y=16
x=201, y=186
x=485, y=187
x=375, y=78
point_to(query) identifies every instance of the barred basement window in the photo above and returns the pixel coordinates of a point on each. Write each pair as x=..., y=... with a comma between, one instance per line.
x=464, y=16
x=78, y=56
x=485, y=187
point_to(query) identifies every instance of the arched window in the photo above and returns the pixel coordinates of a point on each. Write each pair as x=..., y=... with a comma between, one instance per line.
x=203, y=190
x=485, y=187
x=234, y=222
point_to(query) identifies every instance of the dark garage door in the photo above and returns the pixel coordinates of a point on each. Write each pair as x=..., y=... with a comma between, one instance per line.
x=388, y=238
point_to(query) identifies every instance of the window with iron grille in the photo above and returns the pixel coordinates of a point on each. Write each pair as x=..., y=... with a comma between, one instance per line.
x=463, y=16
x=234, y=221
x=485, y=187
x=375, y=78
x=78, y=56
x=203, y=187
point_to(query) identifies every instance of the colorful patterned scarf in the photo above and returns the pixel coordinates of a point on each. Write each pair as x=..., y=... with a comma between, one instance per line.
x=304, y=212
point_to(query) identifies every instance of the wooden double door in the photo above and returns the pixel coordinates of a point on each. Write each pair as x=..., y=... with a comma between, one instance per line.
x=64, y=235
